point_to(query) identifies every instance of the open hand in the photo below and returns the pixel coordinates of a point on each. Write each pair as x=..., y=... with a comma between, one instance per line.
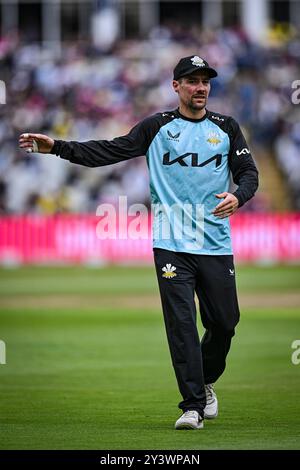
x=36, y=143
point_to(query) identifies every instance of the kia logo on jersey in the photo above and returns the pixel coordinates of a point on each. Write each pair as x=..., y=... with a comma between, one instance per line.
x=193, y=160
x=244, y=151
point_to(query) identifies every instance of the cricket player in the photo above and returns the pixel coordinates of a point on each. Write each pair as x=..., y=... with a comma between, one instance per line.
x=191, y=154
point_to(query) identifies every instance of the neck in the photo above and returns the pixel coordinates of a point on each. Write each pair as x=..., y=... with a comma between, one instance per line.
x=192, y=113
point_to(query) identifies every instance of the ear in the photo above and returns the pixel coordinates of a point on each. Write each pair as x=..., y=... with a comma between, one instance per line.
x=175, y=85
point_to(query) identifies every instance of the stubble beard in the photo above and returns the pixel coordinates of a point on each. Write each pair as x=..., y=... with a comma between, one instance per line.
x=196, y=107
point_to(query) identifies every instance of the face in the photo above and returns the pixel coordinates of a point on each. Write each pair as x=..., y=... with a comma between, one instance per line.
x=193, y=90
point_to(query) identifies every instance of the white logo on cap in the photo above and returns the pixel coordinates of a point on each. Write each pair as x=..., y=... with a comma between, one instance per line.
x=196, y=60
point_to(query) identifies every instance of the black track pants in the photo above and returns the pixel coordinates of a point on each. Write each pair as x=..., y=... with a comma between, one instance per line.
x=212, y=278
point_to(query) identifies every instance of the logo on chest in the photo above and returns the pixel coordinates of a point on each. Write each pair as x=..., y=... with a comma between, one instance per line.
x=173, y=137
x=213, y=139
x=191, y=159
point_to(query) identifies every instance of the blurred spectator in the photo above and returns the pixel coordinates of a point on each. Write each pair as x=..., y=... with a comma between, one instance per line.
x=287, y=148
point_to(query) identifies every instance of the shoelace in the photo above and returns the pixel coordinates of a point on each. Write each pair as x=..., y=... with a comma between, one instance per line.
x=209, y=394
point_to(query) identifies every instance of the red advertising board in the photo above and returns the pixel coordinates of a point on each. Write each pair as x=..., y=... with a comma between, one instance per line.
x=73, y=239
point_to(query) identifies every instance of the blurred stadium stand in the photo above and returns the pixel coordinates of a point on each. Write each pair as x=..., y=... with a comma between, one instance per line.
x=90, y=70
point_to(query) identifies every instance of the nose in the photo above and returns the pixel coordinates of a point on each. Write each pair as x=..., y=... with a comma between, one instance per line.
x=200, y=86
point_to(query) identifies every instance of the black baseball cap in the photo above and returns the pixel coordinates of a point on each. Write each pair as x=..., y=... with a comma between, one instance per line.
x=191, y=64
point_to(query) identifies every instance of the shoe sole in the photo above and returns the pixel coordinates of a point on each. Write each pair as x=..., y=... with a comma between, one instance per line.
x=189, y=426
x=210, y=416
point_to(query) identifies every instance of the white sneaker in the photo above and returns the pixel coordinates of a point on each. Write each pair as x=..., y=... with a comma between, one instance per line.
x=211, y=409
x=189, y=420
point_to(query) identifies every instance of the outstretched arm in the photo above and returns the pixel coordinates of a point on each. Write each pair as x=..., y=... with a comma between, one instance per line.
x=95, y=153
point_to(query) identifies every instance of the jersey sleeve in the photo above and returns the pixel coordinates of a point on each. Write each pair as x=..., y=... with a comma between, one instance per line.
x=242, y=166
x=95, y=153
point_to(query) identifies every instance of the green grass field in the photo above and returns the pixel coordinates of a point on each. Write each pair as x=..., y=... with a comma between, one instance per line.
x=88, y=365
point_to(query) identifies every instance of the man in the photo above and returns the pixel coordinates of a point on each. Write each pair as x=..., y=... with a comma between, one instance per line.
x=191, y=153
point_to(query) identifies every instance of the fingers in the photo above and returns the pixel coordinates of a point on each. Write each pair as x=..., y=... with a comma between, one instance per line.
x=29, y=146
x=226, y=207
x=221, y=195
x=32, y=136
x=28, y=142
x=224, y=211
x=35, y=147
x=226, y=204
x=25, y=137
x=223, y=206
x=223, y=203
x=223, y=214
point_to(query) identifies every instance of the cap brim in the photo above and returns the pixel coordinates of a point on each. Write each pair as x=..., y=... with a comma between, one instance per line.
x=211, y=72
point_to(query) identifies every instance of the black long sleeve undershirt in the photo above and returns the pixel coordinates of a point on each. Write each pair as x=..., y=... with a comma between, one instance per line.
x=242, y=166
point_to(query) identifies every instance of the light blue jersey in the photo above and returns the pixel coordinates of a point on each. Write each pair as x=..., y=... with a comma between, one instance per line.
x=190, y=161
x=188, y=164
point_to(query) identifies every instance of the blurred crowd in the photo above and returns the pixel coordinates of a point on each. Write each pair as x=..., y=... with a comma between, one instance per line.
x=90, y=94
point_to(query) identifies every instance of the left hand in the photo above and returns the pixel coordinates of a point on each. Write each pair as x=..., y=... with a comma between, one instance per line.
x=227, y=207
